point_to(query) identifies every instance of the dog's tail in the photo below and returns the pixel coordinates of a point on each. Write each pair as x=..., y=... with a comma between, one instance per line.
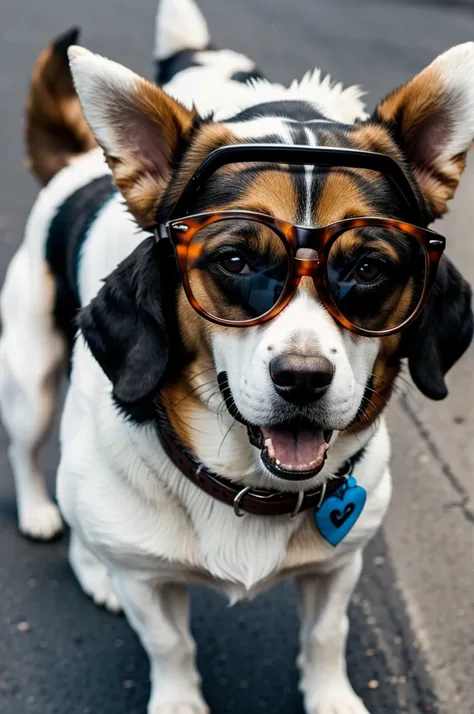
x=56, y=128
x=181, y=34
x=180, y=30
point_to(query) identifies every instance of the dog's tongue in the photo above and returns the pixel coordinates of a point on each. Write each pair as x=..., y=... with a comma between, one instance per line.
x=297, y=449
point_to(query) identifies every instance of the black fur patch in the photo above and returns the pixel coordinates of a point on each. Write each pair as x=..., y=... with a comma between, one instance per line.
x=67, y=233
x=295, y=109
x=442, y=334
x=244, y=77
x=62, y=43
x=167, y=68
x=132, y=329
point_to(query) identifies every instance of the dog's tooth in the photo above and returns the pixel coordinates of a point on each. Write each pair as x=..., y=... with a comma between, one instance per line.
x=277, y=461
x=269, y=448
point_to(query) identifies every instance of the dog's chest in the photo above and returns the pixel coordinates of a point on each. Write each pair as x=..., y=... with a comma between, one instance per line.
x=200, y=540
x=137, y=510
x=173, y=530
x=240, y=557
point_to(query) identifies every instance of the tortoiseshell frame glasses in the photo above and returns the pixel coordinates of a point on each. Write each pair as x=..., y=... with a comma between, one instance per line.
x=320, y=240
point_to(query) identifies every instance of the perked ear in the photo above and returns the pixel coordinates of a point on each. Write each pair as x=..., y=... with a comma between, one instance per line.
x=124, y=326
x=139, y=127
x=444, y=333
x=432, y=119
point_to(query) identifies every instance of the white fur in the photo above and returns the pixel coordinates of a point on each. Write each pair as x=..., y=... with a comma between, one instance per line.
x=102, y=86
x=180, y=25
x=92, y=575
x=309, y=171
x=456, y=66
x=142, y=532
x=25, y=310
x=211, y=91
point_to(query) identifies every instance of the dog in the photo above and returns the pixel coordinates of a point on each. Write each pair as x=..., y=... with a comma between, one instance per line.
x=193, y=448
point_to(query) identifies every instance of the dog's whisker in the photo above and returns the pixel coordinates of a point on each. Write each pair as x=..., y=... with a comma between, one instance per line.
x=191, y=377
x=205, y=386
x=225, y=437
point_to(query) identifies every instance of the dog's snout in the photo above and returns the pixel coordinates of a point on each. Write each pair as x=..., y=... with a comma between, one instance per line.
x=300, y=378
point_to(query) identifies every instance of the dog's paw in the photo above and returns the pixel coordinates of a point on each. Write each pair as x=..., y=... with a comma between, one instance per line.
x=93, y=576
x=339, y=699
x=179, y=708
x=96, y=583
x=41, y=521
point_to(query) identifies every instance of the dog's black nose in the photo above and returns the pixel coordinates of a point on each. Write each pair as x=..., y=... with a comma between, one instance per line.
x=299, y=378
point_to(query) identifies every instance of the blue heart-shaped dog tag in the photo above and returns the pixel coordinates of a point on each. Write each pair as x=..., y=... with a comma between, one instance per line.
x=337, y=514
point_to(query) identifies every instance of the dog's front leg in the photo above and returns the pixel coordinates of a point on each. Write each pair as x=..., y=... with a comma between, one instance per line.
x=159, y=613
x=323, y=601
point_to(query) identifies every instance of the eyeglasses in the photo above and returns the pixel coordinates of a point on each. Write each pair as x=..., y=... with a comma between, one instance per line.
x=241, y=268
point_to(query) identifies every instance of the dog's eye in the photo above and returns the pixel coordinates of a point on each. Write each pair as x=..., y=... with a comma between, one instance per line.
x=369, y=270
x=234, y=263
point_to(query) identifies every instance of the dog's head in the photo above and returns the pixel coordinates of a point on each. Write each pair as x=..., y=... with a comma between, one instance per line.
x=300, y=376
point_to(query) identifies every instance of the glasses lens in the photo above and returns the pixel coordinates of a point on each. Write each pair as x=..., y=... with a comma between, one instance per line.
x=376, y=276
x=237, y=269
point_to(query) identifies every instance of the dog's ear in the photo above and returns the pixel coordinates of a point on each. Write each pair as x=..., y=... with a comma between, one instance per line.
x=140, y=128
x=124, y=326
x=443, y=333
x=432, y=119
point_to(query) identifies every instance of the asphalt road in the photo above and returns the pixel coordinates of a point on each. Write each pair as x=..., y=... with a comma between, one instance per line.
x=412, y=642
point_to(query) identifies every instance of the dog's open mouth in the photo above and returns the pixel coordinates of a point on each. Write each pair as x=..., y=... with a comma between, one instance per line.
x=292, y=451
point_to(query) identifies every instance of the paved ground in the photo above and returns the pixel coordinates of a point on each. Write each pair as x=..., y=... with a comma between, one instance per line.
x=413, y=615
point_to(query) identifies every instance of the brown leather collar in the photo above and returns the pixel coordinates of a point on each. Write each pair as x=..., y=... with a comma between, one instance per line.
x=258, y=502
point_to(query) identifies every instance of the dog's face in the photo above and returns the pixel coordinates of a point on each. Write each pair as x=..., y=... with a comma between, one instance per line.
x=296, y=379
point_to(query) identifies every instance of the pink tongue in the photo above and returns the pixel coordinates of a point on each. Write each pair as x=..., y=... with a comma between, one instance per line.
x=295, y=448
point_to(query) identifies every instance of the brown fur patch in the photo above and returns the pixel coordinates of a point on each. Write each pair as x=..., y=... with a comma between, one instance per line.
x=56, y=128
x=381, y=384
x=272, y=192
x=208, y=138
x=341, y=198
x=181, y=399
x=374, y=137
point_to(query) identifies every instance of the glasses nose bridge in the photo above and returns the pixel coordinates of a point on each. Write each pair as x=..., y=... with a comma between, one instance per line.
x=308, y=239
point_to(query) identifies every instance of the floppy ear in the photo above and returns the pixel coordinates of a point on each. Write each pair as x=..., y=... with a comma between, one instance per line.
x=139, y=127
x=125, y=329
x=432, y=119
x=444, y=333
